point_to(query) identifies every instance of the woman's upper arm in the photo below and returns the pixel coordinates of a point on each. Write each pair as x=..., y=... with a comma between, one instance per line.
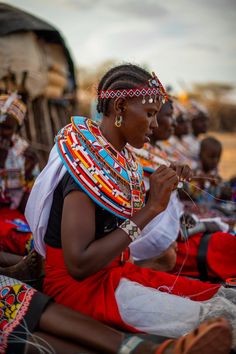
x=77, y=228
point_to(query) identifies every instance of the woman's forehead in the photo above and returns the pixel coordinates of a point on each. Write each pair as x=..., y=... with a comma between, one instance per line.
x=155, y=106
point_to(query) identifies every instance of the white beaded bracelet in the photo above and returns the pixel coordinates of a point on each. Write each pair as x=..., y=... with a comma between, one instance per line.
x=131, y=229
x=130, y=344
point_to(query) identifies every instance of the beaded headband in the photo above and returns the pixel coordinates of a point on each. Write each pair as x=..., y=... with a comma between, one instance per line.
x=10, y=104
x=154, y=88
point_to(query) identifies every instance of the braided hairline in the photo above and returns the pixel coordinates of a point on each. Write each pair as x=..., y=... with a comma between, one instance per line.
x=121, y=77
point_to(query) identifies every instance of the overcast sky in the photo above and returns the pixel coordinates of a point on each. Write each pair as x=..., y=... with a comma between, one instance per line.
x=181, y=40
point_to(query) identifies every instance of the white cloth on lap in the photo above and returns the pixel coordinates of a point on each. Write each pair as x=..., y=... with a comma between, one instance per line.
x=159, y=233
x=152, y=311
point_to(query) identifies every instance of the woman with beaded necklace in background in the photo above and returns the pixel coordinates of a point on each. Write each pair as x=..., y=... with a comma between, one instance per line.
x=87, y=206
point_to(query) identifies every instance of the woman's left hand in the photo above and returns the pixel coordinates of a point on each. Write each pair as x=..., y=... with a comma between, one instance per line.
x=184, y=172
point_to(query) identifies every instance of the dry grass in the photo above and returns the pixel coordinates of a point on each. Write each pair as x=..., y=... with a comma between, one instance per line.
x=228, y=159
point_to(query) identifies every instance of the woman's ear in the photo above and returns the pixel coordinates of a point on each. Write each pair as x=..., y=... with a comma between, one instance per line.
x=120, y=105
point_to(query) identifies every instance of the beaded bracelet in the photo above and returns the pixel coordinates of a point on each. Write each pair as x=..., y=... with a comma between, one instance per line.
x=131, y=229
x=129, y=344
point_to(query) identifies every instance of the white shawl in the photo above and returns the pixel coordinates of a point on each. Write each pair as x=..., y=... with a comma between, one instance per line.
x=40, y=200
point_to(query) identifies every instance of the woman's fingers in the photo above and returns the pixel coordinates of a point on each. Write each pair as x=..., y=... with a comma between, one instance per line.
x=184, y=172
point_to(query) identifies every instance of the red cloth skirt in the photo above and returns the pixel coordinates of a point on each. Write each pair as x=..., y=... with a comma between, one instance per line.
x=95, y=295
x=12, y=240
x=221, y=256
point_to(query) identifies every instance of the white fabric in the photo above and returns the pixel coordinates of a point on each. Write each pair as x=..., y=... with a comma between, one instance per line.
x=159, y=233
x=152, y=311
x=221, y=306
x=217, y=220
x=40, y=200
x=155, y=312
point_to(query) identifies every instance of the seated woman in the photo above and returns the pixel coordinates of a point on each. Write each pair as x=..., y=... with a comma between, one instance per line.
x=199, y=118
x=211, y=255
x=17, y=162
x=208, y=187
x=87, y=206
x=175, y=147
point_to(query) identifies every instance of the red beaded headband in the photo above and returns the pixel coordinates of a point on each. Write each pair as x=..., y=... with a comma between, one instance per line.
x=155, y=88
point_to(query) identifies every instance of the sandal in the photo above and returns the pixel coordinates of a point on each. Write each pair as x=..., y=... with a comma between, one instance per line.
x=211, y=337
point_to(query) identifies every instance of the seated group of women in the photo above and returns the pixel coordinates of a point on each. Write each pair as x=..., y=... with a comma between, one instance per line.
x=93, y=222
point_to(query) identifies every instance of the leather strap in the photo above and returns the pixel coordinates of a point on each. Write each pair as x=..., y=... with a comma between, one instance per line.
x=202, y=256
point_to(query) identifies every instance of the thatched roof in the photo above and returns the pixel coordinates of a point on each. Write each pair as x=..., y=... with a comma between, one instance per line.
x=15, y=20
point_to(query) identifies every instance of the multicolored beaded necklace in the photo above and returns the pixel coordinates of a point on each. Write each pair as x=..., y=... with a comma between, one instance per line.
x=113, y=179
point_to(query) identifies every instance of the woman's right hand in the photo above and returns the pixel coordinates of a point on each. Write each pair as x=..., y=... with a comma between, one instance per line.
x=162, y=182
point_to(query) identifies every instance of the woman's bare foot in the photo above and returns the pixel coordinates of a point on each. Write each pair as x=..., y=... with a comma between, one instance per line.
x=27, y=269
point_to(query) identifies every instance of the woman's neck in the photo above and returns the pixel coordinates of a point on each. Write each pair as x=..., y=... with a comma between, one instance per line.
x=153, y=141
x=110, y=132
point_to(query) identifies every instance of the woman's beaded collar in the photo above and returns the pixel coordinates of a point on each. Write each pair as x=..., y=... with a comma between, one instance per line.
x=112, y=179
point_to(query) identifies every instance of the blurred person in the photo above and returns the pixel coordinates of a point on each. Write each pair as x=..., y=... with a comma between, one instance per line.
x=199, y=125
x=206, y=172
x=209, y=155
x=218, y=262
x=17, y=163
x=207, y=187
x=175, y=147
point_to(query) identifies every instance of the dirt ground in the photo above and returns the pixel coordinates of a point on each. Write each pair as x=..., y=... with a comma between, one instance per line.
x=228, y=159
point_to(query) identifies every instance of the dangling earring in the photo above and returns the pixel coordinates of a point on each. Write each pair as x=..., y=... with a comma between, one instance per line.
x=118, y=121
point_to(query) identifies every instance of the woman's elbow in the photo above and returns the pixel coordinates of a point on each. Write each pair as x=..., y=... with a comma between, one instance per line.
x=77, y=271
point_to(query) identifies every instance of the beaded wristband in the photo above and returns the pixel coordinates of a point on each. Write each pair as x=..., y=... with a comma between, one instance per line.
x=129, y=344
x=131, y=229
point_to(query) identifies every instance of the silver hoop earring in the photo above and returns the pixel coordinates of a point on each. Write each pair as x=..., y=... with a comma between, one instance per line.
x=118, y=121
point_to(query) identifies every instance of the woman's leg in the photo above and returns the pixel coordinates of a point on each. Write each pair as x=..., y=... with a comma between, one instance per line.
x=53, y=344
x=68, y=324
x=212, y=337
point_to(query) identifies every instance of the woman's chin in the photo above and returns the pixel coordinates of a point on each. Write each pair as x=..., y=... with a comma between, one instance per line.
x=138, y=145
